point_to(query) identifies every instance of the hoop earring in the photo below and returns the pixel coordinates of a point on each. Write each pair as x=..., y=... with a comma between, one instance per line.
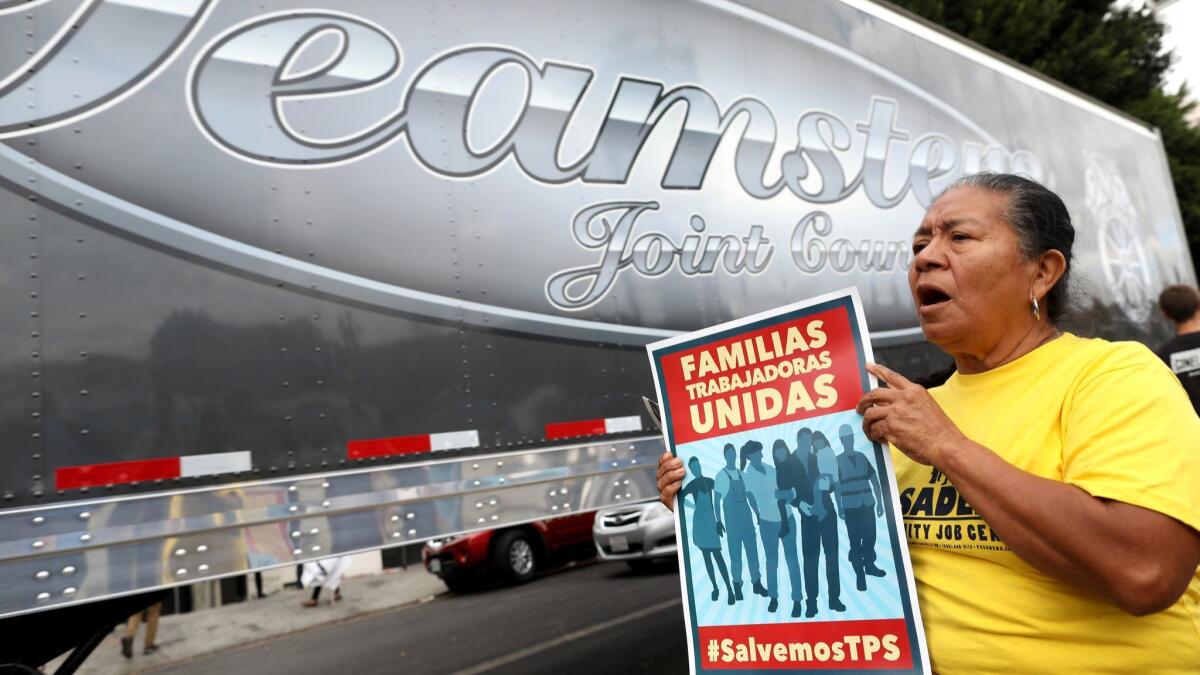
x=1037, y=315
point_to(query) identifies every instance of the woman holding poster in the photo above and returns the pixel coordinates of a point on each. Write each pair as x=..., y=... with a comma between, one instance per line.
x=1049, y=487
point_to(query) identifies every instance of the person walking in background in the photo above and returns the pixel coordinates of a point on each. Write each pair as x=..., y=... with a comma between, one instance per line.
x=1180, y=303
x=861, y=500
x=733, y=504
x=148, y=646
x=706, y=527
x=325, y=573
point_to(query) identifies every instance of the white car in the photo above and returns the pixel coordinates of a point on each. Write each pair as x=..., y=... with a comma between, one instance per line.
x=635, y=533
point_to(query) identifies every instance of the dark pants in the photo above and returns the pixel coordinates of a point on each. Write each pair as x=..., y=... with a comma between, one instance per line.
x=815, y=535
x=860, y=527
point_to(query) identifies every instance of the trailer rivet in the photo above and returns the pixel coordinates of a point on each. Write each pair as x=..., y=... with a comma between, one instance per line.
x=492, y=503
x=410, y=516
x=315, y=548
x=628, y=495
x=201, y=548
x=203, y=568
x=293, y=508
x=38, y=520
x=297, y=551
x=554, y=508
x=42, y=597
x=181, y=572
x=474, y=466
x=479, y=505
x=325, y=503
x=500, y=463
x=315, y=531
x=476, y=483
x=495, y=517
x=501, y=480
x=42, y=575
x=395, y=519
x=412, y=533
x=481, y=519
x=180, y=551
x=69, y=591
x=291, y=488
x=554, y=493
x=68, y=570
x=325, y=484
x=295, y=534
x=625, y=482
x=85, y=537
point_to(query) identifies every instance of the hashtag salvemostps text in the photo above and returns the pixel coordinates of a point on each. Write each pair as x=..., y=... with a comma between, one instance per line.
x=868, y=644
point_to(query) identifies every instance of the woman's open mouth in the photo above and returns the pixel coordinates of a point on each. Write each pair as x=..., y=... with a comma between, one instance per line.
x=931, y=298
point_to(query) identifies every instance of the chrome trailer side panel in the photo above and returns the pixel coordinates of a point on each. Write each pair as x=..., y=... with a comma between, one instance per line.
x=86, y=550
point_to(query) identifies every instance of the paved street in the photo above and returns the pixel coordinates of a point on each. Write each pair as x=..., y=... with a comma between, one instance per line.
x=594, y=618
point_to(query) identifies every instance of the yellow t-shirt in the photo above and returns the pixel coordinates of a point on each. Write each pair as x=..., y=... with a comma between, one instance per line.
x=1107, y=417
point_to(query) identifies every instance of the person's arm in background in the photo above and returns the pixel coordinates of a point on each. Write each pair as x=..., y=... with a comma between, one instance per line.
x=1138, y=557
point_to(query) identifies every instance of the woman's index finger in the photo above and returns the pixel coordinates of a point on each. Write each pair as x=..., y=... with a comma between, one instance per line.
x=889, y=377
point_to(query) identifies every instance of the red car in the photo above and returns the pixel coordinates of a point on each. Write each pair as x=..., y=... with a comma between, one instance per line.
x=513, y=554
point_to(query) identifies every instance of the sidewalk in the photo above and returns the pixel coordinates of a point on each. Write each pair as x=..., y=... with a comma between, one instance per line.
x=187, y=636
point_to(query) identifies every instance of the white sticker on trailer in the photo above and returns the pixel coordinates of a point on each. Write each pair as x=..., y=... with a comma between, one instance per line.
x=453, y=440
x=207, y=465
x=616, y=425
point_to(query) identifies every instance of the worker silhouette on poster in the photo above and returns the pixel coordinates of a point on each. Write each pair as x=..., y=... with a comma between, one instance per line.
x=733, y=504
x=818, y=522
x=775, y=526
x=861, y=502
x=706, y=527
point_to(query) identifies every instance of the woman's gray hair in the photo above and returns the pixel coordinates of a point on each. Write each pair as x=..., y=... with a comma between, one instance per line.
x=1041, y=221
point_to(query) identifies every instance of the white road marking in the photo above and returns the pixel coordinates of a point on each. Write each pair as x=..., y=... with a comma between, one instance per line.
x=540, y=647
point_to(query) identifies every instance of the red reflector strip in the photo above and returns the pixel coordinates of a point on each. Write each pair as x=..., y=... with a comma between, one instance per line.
x=573, y=429
x=97, y=475
x=382, y=447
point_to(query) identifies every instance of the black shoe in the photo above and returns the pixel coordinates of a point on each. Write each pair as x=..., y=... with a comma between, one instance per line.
x=796, y=611
x=774, y=605
x=150, y=649
x=715, y=595
x=810, y=609
x=127, y=647
x=730, y=599
x=737, y=592
x=759, y=589
x=837, y=606
x=861, y=583
x=874, y=571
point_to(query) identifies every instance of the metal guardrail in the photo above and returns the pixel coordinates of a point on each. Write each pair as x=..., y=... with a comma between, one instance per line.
x=89, y=550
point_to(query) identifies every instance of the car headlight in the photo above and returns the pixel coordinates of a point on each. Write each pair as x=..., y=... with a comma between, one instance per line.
x=436, y=544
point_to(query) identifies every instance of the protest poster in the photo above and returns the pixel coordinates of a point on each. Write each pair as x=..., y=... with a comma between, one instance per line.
x=790, y=539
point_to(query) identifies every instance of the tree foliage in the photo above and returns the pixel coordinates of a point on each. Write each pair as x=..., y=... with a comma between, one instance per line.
x=1112, y=54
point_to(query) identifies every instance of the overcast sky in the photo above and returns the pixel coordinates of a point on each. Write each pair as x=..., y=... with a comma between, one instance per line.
x=1183, y=37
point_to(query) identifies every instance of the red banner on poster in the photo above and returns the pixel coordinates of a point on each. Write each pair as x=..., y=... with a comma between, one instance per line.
x=781, y=373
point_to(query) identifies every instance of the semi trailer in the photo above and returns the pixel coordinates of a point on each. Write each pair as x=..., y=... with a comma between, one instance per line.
x=286, y=280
